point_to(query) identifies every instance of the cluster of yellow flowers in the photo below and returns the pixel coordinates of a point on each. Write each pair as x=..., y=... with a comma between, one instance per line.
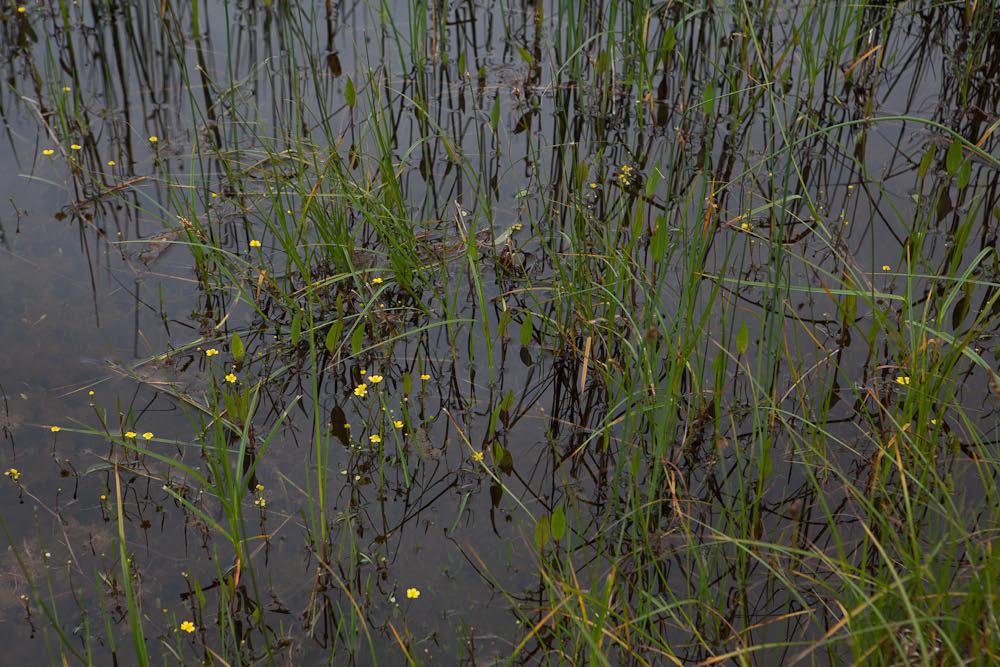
x=14, y=474
x=625, y=175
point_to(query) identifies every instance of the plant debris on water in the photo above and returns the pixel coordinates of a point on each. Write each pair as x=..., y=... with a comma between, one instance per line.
x=517, y=332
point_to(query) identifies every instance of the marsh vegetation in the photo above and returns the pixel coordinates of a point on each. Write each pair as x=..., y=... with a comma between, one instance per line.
x=516, y=332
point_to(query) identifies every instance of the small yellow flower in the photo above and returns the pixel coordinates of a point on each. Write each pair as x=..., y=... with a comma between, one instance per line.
x=14, y=474
x=76, y=147
x=130, y=434
x=231, y=378
x=66, y=89
x=55, y=429
x=886, y=267
x=48, y=151
x=90, y=393
x=260, y=502
x=22, y=9
x=934, y=422
x=398, y=423
x=361, y=390
x=215, y=195
x=745, y=226
x=903, y=379
x=211, y=352
x=477, y=457
x=376, y=281
x=425, y=377
x=259, y=488
x=412, y=593
x=148, y=435
x=103, y=498
x=375, y=379
x=187, y=626
x=593, y=186
x=254, y=243
x=112, y=163
x=375, y=439
x=362, y=371
x=153, y=138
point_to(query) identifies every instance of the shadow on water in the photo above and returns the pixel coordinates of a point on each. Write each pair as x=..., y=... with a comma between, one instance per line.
x=624, y=332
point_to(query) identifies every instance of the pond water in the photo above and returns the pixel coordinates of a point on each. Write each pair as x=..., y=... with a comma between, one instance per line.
x=685, y=319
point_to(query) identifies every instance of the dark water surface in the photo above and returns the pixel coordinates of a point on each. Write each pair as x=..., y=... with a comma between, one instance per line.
x=245, y=98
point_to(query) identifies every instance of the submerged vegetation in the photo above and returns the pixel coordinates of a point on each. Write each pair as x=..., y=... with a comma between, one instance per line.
x=515, y=332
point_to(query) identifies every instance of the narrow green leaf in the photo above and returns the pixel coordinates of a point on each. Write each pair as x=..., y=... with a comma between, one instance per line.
x=358, y=338
x=558, y=523
x=953, y=159
x=237, y=349
x=296, y=332
x=527, y=329
x=742, y=339
x=350, y=94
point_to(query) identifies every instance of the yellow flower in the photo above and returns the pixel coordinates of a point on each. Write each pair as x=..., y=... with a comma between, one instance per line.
x=254, y=243
x=362, y=371
x=129, y=434
x=111, y=163
x=148, y=435
x=376, y=281
x=477, y=457
x=375, y=379
x=361, y=390
x=55, y=429
x=260, y=502
x=934, y=422
x=231, y=378
x=886, y=267
x=745, y=226
x=412, y=593
x=375, y=439
x=211, y=352
x=398, y=423
x=593, y=186
x=259, y=488
x=187, y=626
x=48, y=151
x=103, y=498
x=153, y=138
x=66, y=89
x=75, y=147
x=425, y=377
x=14, y=474
x=903, y=379
x=215, y=195
x=21, y=9
x=90, y=393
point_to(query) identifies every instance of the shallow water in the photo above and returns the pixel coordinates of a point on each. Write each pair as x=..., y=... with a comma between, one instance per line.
x=90, y=304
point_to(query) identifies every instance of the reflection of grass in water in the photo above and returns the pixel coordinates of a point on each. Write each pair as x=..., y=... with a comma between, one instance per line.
x=730, y=468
